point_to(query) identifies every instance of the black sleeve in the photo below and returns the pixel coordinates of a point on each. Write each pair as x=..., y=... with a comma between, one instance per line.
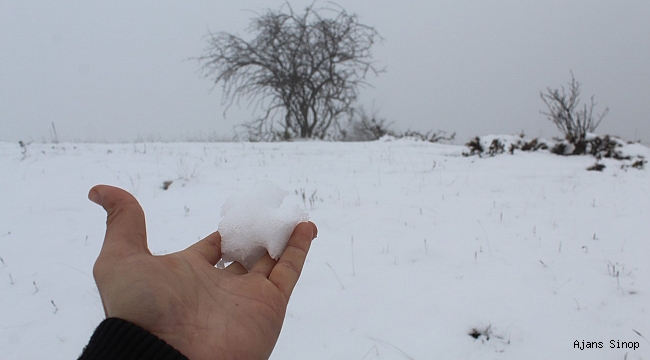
x=119, y=339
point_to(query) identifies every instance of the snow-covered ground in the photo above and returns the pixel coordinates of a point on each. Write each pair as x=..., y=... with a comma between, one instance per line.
x=418, y=246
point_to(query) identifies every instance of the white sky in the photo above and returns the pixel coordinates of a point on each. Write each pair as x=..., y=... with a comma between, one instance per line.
x=119, y=70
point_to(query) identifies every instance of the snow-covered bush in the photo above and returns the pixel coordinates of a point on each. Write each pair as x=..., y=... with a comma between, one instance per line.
x=533, y=145
x=492, y=145
x=601, y=147
x=475, y=147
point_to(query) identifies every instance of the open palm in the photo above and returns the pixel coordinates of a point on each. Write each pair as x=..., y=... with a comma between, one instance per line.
x=202, y=311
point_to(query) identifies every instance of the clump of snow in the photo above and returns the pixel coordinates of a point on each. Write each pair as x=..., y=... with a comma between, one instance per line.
x=256, y=221
x=635, y=150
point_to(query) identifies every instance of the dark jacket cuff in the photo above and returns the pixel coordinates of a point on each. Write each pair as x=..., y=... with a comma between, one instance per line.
x=119, y=339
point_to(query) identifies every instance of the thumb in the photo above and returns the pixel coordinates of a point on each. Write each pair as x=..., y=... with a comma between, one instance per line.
x=126, y=232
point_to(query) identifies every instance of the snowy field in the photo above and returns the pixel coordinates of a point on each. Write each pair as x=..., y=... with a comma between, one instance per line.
x=418, y=246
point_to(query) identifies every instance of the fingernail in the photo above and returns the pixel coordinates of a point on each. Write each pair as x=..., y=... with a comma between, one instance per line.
x=314, y=231
x=94, y=196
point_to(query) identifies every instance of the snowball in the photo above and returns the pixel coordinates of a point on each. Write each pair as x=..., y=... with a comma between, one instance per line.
x=256, y=221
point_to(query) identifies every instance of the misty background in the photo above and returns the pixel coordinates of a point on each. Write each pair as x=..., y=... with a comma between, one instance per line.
x=122, y=70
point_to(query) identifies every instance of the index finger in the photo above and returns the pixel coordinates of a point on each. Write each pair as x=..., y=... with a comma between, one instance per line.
x=286, y=272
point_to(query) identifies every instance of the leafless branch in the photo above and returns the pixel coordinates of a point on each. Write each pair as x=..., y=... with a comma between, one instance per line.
x=564, y=112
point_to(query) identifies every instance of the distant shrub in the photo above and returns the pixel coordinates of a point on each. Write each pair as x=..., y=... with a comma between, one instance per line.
x=365, y=127
x=560, y=148
x=600, y=147
x=489, y=147
x=475, y=147
x=492, y=146
x=429, y=136
x=638, y=164
x=606, y=147
x=534, y=145
x=496, y=148
x=573, y=121
x=596, y=167
x=370, y=127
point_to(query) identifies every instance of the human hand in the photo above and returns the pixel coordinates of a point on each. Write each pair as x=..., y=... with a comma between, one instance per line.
x=202, y=311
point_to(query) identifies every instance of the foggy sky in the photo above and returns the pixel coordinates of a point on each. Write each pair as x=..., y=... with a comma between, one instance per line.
x=121, y=70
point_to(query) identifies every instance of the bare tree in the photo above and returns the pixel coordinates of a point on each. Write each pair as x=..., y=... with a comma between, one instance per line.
x=564, y=111
x=302, y=70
